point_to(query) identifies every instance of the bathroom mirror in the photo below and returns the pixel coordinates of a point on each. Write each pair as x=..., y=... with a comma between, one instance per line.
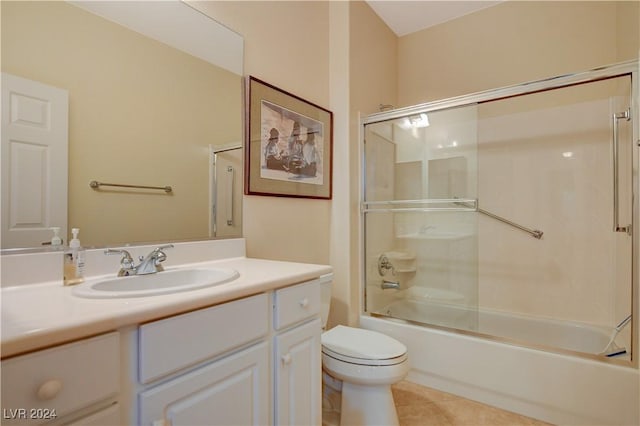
x=154, y=96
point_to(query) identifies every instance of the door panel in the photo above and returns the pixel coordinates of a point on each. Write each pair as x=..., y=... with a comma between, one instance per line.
x=34, y=161
x=232, y=391
x=298, y=376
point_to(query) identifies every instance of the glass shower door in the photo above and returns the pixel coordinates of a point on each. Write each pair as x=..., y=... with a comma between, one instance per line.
x=509, y=217
x=561, y=161
x=421, y=241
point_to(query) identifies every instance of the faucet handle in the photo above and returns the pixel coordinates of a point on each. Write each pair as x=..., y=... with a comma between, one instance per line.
x=126, y=256
x=158, y=255
x=126, y=263
x=384, y=264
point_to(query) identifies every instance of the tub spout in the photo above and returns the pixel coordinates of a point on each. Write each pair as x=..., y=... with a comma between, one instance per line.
x=390, y=284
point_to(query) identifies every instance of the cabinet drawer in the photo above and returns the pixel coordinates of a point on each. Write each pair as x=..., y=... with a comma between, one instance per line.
x=296, y=303
x=60, y=380
x=171, y=344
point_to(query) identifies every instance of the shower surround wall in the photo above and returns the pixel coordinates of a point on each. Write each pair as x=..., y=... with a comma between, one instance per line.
x=544, y=162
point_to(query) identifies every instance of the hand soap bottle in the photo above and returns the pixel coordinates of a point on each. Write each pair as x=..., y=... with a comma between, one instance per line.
x=74, y=261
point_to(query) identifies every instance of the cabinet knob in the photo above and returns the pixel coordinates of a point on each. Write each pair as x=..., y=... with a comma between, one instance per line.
x=49, y=389
x=304, y=302
x=286, y=359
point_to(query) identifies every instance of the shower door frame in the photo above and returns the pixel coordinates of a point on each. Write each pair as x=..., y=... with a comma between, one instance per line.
x=628, y=68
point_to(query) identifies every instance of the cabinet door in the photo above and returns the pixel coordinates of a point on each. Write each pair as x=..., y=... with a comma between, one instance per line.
x=231, y=391
x=298, y=376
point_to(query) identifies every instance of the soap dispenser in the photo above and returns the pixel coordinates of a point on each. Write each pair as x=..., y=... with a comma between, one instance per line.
x=56, y=241
x=74, y=261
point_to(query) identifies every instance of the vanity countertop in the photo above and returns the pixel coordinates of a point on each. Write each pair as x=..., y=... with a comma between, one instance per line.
x=46, y=314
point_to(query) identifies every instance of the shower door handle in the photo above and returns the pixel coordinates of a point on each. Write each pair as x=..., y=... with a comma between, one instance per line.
x=626, y=115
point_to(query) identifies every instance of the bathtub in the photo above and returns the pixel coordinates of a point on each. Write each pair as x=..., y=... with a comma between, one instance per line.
x=517, y=329
x=557, y=387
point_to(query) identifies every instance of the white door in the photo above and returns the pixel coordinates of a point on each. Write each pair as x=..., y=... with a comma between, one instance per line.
x=298, y=379
x=34, y=161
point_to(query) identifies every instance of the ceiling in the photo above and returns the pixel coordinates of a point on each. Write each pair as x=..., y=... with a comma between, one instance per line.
x=406, y=17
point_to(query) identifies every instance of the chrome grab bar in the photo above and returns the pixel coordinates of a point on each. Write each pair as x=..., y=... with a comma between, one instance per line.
x=230, y=186
x=535, y=233
x=626, y=115
x=96, y=185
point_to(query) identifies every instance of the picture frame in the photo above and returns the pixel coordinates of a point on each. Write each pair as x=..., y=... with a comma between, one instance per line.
x=288, y=144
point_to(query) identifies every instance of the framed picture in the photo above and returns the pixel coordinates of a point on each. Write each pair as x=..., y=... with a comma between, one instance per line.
x=289, y=144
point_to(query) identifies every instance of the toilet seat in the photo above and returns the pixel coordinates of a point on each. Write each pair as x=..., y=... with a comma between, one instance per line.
x=362, y=347
x=364, y=361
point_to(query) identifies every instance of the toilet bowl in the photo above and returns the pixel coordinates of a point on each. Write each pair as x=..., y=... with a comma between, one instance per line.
x=362, y=365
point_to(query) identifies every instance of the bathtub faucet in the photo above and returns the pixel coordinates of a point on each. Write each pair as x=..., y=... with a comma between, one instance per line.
x=390, y=284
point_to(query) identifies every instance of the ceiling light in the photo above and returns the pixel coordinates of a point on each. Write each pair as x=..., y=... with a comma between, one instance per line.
x=415, y=121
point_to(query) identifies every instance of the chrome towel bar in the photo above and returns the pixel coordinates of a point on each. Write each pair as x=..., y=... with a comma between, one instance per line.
x=96, y=185
x=397, y=206
x=535, y=233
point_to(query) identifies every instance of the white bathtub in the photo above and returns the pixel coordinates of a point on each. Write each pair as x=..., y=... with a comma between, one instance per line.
x=528, y=330
x=559, y=388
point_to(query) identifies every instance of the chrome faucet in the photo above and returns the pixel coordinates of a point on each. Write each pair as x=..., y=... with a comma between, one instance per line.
x=149, y=264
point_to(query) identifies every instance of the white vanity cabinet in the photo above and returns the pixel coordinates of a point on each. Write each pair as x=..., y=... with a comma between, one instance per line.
x=206, y=367
x=76, y=383
x=252, y=361
x=297, y=355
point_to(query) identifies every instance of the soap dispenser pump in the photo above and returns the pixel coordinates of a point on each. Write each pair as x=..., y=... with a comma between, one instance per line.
x=74, y=261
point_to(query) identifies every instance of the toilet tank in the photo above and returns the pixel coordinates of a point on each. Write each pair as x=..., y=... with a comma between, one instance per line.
x=326, y=281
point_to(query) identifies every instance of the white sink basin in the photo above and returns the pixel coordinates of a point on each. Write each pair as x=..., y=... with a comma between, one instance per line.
x=168, y=281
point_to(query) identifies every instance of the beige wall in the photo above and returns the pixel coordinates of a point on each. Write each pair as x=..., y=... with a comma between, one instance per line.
x=142, y=115
x=514, y=42
x=373, y=81
x=287, y=45
x=374, y=67
x=332, y=54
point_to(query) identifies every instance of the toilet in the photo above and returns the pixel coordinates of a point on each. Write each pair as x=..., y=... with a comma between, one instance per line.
x=359, y=366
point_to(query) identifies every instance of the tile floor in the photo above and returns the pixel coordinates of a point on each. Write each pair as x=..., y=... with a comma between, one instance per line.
x=421, y=406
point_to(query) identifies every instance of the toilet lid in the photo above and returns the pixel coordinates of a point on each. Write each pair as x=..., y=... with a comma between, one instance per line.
x=361, y=344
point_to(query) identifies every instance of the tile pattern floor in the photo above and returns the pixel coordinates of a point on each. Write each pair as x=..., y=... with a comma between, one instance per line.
x=421, y=406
